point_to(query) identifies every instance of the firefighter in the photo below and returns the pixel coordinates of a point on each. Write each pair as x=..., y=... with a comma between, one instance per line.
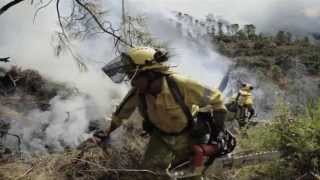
x=241, y=106
x=245, y=99
x=165, y=100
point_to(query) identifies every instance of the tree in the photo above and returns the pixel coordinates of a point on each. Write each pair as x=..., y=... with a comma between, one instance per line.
x=306, y=40
x=234, y=28
x=211, y=30
x=281, y=37
x=289, y=37
x=179, y=15
x=83, y=13
x=241, y=35
x=228, y=27
x=220, y=31
x=210, y=18
x=86, y=20
x=250, y=30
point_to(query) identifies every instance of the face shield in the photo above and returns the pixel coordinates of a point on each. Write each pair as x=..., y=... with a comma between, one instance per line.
x=119, y=68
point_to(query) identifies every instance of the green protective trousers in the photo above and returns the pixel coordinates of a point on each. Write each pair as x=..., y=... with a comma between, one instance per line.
x=163, y=150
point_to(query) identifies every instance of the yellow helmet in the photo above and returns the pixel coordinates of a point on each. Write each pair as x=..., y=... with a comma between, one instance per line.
x=135, y=60
x=246, y=88
x=141, y=55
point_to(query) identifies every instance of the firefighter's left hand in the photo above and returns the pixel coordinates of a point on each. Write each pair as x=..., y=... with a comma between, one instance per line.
x=100, y=137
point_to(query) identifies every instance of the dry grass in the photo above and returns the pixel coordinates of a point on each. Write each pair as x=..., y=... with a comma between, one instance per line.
x=88, y=163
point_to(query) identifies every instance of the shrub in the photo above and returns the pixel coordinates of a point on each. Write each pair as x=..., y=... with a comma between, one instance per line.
x=300, y=141
x=312, y=62
x=276, y=72
x=298, y=138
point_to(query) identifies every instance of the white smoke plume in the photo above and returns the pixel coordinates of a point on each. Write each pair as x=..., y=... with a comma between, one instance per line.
x=30, y=46
x=191, y=52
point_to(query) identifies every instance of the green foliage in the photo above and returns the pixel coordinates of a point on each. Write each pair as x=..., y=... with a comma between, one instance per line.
x=263, y=52
x=259, y=45
x=300, y=140
x=241, y=35
x=297, y=138
x=224, y=38
x=276, y=72
x=253, y=136
x=254, y=63
x=312, y=63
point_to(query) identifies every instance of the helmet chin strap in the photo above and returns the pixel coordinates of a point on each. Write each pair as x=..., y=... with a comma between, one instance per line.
x=134, y=74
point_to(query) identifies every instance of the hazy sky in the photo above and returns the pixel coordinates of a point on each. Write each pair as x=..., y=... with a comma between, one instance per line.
x=268, y=15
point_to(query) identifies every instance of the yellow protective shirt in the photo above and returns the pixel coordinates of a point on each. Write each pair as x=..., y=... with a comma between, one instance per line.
x=163, y=111
x=245, y=98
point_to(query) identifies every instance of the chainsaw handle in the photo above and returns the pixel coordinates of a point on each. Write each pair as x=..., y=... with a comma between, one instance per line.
x=226, y=144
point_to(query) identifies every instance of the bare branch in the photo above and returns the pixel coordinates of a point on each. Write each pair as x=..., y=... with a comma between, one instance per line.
x=101, y=25
x=120, y=170
x=40, y=8
x=81, y=18
x=25, y=173
x=59, y=19
x=67, y=44
x=6, y=59
x=9, y=5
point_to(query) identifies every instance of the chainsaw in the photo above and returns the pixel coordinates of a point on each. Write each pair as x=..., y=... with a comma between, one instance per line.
x=217, y=156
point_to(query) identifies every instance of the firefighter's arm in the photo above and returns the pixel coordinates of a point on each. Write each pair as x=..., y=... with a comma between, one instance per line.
x=124, y=110
x=211, y=99
x=198, y=94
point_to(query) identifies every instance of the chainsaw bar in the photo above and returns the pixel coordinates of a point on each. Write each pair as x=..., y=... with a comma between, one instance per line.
x=227, y=162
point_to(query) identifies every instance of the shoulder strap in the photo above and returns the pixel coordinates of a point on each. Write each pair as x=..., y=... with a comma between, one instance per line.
x=143, y=107
x=178, y=97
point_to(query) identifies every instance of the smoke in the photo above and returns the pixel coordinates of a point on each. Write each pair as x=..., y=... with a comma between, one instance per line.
x=191, y=51
x=63, y=126
x=298, y=16
x=265, y=93
x=30, y=46
x=66, y=124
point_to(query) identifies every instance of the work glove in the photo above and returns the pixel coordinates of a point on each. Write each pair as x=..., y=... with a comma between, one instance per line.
x=147, y=126
x=101, y=137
